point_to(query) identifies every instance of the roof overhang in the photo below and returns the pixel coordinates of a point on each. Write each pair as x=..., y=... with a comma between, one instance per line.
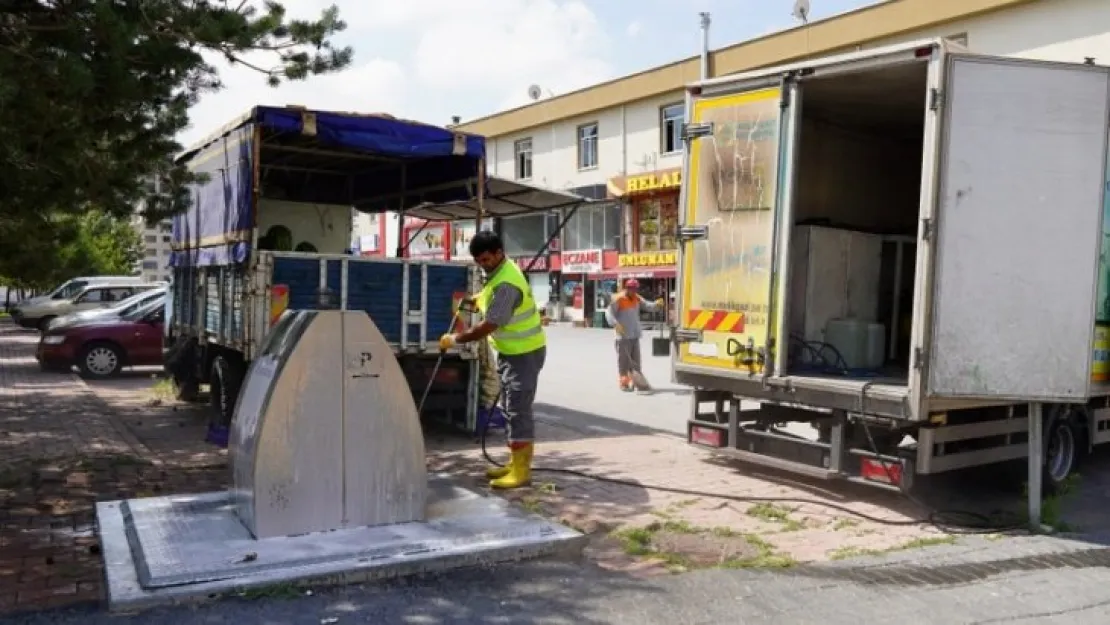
x=503, y=198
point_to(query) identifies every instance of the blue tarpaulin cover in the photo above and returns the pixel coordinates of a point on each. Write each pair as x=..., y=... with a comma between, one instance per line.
x=217, y=228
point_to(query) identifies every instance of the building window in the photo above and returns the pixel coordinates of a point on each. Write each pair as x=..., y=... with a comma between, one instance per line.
x=166, y=238
x=524, y=235
x=150, y=238
x=587, y=146
x=594, y=227
x=150, y=265
x=960, y=39
x=522, y=153
x=671, y=119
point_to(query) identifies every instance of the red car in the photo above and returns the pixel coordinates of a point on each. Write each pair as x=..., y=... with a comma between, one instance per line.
x=103, y=348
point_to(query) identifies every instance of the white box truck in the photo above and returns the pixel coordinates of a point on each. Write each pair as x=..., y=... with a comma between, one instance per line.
x=902, y=247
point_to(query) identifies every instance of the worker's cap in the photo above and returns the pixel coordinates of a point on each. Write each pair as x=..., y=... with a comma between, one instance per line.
x=632, y=283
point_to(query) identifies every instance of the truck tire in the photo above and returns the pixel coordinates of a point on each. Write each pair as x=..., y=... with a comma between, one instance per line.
x=1064, y=447
x=180, y=365
x=223, y=384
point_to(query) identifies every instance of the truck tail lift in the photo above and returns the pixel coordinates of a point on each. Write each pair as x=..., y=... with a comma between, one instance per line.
x=326, y=446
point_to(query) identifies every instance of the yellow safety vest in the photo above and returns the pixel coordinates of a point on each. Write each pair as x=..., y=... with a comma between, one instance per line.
x=524, y=331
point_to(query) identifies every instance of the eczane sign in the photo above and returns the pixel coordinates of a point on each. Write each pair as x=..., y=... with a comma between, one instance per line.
x=581, y=261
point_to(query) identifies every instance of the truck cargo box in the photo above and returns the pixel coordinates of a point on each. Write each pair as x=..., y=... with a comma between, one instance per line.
x=976, y=183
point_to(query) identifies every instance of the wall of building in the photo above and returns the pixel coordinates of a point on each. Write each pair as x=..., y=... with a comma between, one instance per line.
x=155, y=262
x=630, y=135
x=1050, y=30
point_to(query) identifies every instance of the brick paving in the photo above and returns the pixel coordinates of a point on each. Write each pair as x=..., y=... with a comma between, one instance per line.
x=65, y=445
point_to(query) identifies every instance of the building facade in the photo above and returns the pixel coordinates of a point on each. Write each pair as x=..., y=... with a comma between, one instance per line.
x=157, y=241
x=624, y=136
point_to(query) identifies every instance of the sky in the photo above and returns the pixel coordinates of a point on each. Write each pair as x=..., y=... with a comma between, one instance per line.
x=429, y=60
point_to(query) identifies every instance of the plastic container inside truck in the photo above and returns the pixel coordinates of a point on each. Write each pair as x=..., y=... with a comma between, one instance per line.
x=856, y=209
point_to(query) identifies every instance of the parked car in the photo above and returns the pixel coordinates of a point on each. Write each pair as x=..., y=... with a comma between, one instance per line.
x=103, y=348
x=135, y=302
x=92, y=296
x=74, y=286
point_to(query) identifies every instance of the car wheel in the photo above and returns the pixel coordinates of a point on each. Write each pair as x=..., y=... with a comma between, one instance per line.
x=223, y=385
x=44, y=323
x=100, y=360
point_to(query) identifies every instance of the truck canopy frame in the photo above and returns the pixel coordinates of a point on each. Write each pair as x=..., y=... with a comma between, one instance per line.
x=374, y=163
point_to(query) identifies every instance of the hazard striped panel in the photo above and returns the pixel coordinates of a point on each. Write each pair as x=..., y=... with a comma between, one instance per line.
x=715, y=320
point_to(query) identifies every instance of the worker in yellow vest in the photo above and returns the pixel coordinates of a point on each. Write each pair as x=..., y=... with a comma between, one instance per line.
x=513, y=325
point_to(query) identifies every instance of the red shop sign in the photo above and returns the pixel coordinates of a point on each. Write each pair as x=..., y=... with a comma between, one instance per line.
x=523, y=262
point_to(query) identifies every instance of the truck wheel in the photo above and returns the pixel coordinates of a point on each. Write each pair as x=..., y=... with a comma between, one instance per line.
x=188, y=389
x=1063, y=440
x=223, y=385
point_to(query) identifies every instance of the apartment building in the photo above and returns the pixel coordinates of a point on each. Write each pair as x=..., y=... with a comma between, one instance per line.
x=154, y=265
x=621, y=140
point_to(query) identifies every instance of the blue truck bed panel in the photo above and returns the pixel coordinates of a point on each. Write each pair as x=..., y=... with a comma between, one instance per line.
x=223, y=304
x=377, y=286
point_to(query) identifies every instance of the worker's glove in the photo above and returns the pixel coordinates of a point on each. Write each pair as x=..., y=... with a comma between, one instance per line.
x=620, y=329
x=466, y=304
x=660, y=302
x=447, y=341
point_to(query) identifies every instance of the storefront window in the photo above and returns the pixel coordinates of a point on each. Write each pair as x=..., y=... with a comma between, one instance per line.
x=594, y=227
x=658, y=223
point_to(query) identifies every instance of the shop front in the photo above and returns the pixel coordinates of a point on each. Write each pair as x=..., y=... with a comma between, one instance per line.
x=651, y=200
x=577, y=291
x=587, y=281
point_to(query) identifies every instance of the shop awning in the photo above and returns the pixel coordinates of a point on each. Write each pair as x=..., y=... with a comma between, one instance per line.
x=504, y=198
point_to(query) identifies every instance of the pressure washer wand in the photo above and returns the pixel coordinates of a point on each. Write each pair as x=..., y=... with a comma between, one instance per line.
x=439, y=360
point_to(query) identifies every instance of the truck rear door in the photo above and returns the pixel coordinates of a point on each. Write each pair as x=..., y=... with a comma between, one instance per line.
x=1023, y=152
x=732, y=187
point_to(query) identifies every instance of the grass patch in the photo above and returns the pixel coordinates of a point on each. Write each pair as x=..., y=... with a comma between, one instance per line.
x=1052, y=506
x=843, y=524
x=845, y=553
x=164, y=389
x=779, y=515
x=683, y=547
x=277, y=591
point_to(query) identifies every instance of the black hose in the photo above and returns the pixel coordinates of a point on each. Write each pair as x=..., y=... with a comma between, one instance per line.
x=948, y=521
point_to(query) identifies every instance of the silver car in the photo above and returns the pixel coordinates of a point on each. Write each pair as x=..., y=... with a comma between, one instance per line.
x=96, y=314
x=99, y=295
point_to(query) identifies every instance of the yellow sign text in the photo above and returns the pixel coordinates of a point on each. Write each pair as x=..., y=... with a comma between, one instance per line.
x=646, y=259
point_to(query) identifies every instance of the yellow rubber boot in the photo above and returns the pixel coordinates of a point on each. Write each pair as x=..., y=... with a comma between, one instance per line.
x=520, y=468
x=495, y=472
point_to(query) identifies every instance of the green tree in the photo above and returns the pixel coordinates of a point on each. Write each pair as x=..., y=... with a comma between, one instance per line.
x=94, y=92
x=51, y=249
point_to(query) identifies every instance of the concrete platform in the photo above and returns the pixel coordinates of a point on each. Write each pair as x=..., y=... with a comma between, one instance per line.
x=184, y=548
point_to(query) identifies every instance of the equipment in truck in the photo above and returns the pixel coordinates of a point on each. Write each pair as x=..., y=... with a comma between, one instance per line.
x=329, y=480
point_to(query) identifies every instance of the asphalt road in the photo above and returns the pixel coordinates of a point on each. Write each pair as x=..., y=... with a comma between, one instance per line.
x=581, y=375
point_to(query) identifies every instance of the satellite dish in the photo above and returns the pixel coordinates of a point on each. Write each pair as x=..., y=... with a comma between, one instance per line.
x=801, y=10
x=534, y=92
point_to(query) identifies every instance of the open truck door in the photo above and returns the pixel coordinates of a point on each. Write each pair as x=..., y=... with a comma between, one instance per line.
x=1048, y=121
x=733, y=204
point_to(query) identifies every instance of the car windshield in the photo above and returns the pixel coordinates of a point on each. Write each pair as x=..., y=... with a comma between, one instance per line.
x=142, y=311
x=138, y=300
x=69, y=290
